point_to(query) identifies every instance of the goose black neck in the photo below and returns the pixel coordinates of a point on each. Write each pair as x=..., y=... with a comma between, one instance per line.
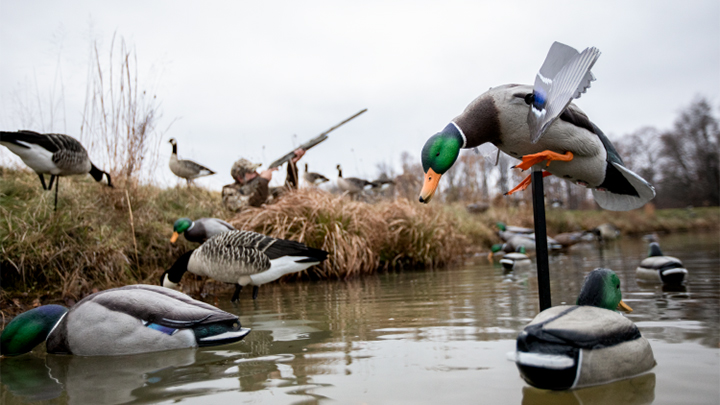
x=179, y=268
x=97, y=174
x=174, y=145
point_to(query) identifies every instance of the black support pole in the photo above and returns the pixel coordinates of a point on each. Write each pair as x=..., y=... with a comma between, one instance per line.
x=543, y=268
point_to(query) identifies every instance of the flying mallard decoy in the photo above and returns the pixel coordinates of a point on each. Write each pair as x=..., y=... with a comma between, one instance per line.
x=125, y=320
x=539, y=124
x=199, y=230
x=351, y=185
x=568, y=347
x=313, y=178
x=244, y=258
x=53, y=154
x=186, y=169
x=514, y=260
x=657, y=267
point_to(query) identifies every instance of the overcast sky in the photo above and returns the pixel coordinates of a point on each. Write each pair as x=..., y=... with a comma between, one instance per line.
x=239, y=78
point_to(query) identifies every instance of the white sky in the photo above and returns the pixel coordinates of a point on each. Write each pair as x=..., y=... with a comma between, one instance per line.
x=237, y=76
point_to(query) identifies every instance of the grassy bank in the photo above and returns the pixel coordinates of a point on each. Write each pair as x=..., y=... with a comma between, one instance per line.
x=99, y=238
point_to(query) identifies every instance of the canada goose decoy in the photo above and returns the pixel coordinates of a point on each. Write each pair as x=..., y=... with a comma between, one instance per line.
x=540, y=125
x=660, y=268
x=515, y=260
x=53, y=154
x=125, y=320
x=382, y=183
x=313, y=178
x=186, y=169
x=568, y=347
x=199, y=230
x=244, y=258
x=351, y=185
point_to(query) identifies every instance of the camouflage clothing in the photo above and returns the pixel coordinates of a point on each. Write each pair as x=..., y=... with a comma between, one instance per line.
x=241, y=167
x=256, y=192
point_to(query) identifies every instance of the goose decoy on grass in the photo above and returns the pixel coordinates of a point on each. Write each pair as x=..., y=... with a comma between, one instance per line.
x=186, y=169
x=125, y=320
x=351, y=185
x=540, y=126
x=53, y=154
x=313, y=178
x=244, y=258
x=382, y=183
x=660, y=268
x=199, y=230
x=567, y=347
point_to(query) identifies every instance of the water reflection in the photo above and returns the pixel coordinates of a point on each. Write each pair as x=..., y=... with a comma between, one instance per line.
x=635, y=391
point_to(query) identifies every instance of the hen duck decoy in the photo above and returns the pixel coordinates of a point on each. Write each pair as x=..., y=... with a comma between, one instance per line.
x=660, y=268
x=539, y=124
x=568, y=347
x=53, y=154
x=313, y=178
x=244, y=258
x=351, y=185
x=125, y=320
x=199, y=230
x=186, y=169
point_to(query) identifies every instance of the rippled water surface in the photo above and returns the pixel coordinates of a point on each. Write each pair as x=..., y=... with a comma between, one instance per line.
x=408, y=338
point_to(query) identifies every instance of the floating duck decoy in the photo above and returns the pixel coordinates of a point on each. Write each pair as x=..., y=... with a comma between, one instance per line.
x=567, y=347
x=568, y=239
x=515, y=260
x=540, y=124
x=186, y=169
x=659, y=268
x=313, y=178
x=54, y=154
x=351, y=185
x=199, y=230
x=606, y=232
x=244, y=258
x=125, y=320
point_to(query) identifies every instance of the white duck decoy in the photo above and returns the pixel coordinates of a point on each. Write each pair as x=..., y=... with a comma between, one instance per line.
x=244, y=258
x=186, y=169
x=539, y=124
x=660, y=268
x=312, y=178
x=351, y=185
x=125, y=320
x=54, y=154
x=199, y=230
x=567, y=347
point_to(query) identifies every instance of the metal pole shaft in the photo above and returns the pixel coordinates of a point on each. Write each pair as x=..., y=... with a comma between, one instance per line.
x=543, y=267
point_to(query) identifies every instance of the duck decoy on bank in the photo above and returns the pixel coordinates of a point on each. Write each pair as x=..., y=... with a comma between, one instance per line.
x=199, y=230
x=567, y=347
x=313, y=178
x=660, y=268
x=244, y=258
x=502, y=227
x=186, y=169
x=125, y=320
x=351, y=185
x=53, y=154
x=540, y=124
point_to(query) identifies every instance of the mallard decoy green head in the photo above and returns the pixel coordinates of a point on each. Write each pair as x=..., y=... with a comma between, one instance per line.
x=602, y=289
x=181, y=225
x=29, y=329
x=501, y=226
x=438, y=155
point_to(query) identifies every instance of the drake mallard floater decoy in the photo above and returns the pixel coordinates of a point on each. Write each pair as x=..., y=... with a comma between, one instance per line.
x=515, y=260
x=313, y=178
x=53, y=154
x=186, y=169
x=199, y=230
x=568, y=347
x=539, y=124
x=660, y=268
x=125, y=320
x=244, y=258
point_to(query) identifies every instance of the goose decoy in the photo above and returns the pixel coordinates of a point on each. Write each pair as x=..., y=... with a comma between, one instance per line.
x=53, y=154
x=125, y=320
x=660, y=268
x=515, y=260
x=382, y=183
x=244, y=258
x=567, y=347
x=313, y=178
x=199, y=230
x=186, y=169
x=351, y=185
x=539, y=124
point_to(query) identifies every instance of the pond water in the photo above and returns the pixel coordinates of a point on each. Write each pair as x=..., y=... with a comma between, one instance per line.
x=413, y=337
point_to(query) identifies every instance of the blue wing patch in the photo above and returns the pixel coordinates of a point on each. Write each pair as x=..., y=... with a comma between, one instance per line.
x=160, y=328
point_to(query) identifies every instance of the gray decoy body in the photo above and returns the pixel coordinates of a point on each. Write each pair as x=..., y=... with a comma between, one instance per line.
x=660, y=268
x=199, y=230
x=186, y=169
x=53, y=154
x=313, y=178
x=244, y=258
x=351, y=185
x=125, y=320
